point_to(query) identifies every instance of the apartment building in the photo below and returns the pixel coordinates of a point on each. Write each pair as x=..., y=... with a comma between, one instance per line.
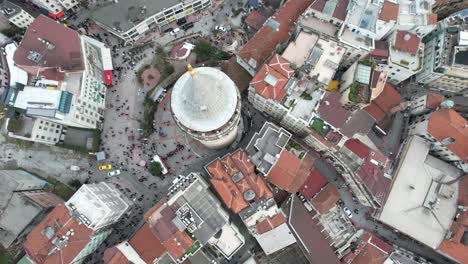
x=17, y=13
x=445, y=66
x=274, y=34
x=131, y=20
x=446, y=130
x=75, y=229
x=68, y=74
x=331, y=20
x=98, y=205
x=405, y=57
x=246, y=193
x=422, y=202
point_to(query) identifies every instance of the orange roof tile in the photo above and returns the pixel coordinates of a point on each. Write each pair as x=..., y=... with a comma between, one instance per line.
x=434, y=100
x=432, y=19
x=389, y=11
x=114, y=256
x=455, y=250
x=255, y=20
x=407, y=42
x=446, y=123
x=232, y=193
x=278, y=71
x=39, y=247
x=326, y=199
x=463, y=191
x=146, y=244
x=178, y=244
x=265, y=41
x=380, y=107
x=289, y=173
x=270, y=223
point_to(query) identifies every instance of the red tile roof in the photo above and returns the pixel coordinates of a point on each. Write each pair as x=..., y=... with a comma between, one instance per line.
x=270, y=223
x=463, y=192
x=313, y=184
x=255, y=20
x=389, y=11
x=341, y=9
x=357, y=147
x=339, y=12
x=446, y=123
x=332, y=111
x=310, y=235
x=44, y=199
x=371, y=172
x=432, y=19
x=39, y=247
x=289, y=172
x=407, y=42
x=380, y=107
x=232, y=194
x=380, y=51
x=114, y=256
x=434, y=100
x=280, y=69
x=159, y=219
x=326, y=199
x=455, y=246
x=371, y=250
x=63, y=53
x=146, y=244
x=265, y=41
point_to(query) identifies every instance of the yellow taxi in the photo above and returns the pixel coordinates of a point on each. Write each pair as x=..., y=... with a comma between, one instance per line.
x=105, y=167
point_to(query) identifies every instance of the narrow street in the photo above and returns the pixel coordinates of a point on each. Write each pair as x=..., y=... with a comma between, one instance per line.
x=361, y=221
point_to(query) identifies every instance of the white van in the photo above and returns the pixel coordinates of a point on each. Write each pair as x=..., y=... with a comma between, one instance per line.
x=175, y=31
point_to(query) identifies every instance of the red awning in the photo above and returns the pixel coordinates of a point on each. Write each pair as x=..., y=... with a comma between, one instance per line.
x=107, y=77
x=58, y=15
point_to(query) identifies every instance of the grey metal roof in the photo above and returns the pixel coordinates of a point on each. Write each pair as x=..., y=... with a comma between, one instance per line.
x=128, y=13
x=206, y=211
x=205, y=101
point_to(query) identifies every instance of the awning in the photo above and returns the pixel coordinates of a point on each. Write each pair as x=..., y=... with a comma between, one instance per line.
x=57, y=15
x=107, y=77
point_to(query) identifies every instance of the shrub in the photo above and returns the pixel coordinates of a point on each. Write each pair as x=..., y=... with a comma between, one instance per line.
x=155, y=168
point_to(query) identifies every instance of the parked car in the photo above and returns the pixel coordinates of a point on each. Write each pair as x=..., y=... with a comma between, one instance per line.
x=74, y=168
x=105, y=167
x=167, y=30
x=181, y=21
x=113, y=173
x=220, y=28
x=347, y=212
x=187, y=26
x=175, y=31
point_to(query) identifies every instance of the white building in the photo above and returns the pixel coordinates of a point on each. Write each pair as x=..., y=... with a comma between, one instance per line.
x=423, y=200
x=445, y=60
x=17, y=13
x=67, y=86
x=405, y=57
x=98, y=205
x=131, y=20
x=206, y=104
x=446, y=130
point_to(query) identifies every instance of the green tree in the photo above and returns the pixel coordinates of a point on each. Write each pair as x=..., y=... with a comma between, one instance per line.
x=75, y=184
x=155, y=168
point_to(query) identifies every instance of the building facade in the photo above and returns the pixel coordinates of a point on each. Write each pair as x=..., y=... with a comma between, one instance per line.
x=17, y=13
x=445, y=66
x=98, y=205
x=130, y=21
x=68, y=85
